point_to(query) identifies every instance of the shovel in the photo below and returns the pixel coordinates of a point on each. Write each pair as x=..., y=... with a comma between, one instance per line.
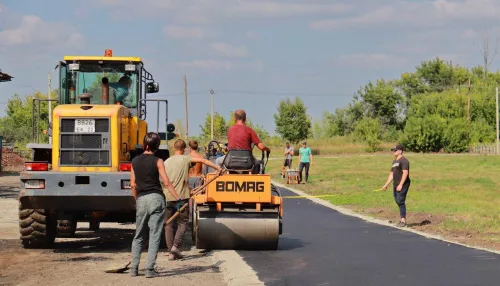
x=195, y=191
x=119, y=269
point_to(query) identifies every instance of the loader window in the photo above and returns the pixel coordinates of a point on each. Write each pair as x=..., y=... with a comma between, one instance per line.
x=89, y=78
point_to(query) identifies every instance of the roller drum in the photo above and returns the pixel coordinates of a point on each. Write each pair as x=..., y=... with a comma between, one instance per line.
x=238, y=231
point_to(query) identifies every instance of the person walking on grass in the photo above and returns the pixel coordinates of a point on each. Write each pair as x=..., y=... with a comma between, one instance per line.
x=400, y=174
x=150, y=202
x=305, y=160
x=177, y=167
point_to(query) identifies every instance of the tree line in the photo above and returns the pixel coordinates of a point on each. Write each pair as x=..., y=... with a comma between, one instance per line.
x=436, y=107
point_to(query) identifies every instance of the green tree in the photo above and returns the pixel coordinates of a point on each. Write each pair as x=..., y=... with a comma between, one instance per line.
x=382, y=101
x=16, y=125
x=180, y=129
x=369, y=130
x=97, y=81
x=220, y=126
x=292, y=121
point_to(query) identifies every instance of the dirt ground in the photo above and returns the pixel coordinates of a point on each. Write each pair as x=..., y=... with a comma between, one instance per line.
x=83, y=259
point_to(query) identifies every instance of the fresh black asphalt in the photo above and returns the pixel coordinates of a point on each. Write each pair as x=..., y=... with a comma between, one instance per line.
x=320, y=246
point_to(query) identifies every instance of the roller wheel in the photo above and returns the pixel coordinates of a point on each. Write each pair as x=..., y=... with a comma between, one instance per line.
x=37, y=228
x=66, y=228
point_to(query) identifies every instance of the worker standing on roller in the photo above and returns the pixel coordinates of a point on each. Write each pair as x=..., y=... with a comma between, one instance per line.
x=241, y=137
x=177, y=167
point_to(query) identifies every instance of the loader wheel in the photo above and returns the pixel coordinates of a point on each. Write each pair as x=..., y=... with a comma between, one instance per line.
x=66, y=228
x=37, y=228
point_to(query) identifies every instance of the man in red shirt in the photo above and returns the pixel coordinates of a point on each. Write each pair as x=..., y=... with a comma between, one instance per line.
x=240, y=136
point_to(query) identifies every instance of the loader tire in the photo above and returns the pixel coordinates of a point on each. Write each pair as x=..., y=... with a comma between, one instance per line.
x=36, y=227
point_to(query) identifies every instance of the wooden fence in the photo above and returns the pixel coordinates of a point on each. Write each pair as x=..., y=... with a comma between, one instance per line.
x=483, y=149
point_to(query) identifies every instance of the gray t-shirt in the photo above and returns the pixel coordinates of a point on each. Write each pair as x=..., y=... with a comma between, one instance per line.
x=289, y=156
x=177, y=168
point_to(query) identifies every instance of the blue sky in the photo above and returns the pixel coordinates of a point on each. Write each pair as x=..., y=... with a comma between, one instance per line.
x=252, y=53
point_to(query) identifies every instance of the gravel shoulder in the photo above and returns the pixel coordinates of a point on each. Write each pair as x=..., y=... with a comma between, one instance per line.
x=83, y=259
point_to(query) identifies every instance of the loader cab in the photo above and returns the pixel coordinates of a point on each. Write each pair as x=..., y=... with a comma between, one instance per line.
x=106, y=80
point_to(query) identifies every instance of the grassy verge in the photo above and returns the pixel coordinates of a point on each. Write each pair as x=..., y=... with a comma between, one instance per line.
x=454, y=196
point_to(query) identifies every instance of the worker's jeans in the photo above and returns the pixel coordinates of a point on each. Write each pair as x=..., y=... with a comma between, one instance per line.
x=301, y=166
x=400, y=198
x=174, y=238
x=150, y=212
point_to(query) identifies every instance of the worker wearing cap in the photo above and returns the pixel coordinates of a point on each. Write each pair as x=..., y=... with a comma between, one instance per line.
x=400, y=174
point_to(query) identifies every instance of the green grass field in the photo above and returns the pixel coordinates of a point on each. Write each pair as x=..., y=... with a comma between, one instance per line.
x=458, y=194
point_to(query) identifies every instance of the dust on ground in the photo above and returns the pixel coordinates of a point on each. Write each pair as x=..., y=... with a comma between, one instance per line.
x=82, y=260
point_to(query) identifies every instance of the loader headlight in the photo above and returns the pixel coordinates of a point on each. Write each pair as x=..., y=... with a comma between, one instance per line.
x=73, y=67
x=130, y=67
x=34, y=184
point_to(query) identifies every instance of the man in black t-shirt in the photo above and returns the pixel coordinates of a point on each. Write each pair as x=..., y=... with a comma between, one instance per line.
x=400, y=174
x=147, y=169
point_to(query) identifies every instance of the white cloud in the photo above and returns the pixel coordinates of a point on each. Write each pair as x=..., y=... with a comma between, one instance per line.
x=230, y=50
x=184, y=32
x=371, y=60
x=422, y=14
x=282, y=9
x=209, y=11
x=30, y=31
x=468, y=9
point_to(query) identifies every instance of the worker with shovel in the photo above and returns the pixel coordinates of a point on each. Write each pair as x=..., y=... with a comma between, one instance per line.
x=177, y=167
x=147, y=169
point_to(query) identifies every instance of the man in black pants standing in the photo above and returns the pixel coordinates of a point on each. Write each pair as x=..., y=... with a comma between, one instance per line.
x=400, y=173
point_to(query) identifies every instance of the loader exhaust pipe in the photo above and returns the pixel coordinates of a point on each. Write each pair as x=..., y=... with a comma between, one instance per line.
x=105, y=90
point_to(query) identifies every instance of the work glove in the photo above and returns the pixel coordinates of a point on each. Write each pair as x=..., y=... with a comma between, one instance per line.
x=179, y=204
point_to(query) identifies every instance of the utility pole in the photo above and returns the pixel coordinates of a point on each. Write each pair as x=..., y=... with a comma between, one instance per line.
x=49, y=96
x=186, y=99
x=496, y=113
x=212, y=113
x=468, y=103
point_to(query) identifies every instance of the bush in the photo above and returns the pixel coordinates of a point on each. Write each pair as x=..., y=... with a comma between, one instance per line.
x=482, y=132
x=424, y=134
x=369, y=130
x=456, y=136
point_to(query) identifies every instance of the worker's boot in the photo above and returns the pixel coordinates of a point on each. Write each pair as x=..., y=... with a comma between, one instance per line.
x=134, y=272
x=151, y=273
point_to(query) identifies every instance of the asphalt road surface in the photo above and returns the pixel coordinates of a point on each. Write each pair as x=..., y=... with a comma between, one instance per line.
x=320, y=246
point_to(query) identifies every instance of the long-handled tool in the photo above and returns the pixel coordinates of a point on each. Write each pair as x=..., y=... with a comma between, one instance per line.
x=194, y=192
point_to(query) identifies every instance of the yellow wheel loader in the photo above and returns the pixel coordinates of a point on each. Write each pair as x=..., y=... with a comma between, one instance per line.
x=96, y=129
x=239, y=208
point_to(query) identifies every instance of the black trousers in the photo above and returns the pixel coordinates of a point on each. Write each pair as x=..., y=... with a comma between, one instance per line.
x=301, y=167
x=400, y=198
